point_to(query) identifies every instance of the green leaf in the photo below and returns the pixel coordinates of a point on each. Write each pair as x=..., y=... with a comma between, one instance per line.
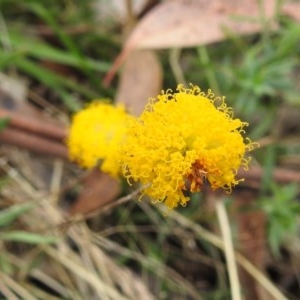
x=8, y=58
x=3, y=181
x=41, y=50
x=8, y=215
x=3, y=123
x=48, y=17
x=5, y=264
x=55, y=81
x=27, y=237
x=282, y=211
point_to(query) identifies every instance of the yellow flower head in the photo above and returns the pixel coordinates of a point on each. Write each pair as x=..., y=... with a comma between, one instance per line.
x=95, y=136
x=181, y=140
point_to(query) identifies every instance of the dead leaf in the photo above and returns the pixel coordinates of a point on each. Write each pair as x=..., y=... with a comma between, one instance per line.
x=141, y=79
x=190, y=23
x=292, y=10
x=183, y=23
x=98, y=190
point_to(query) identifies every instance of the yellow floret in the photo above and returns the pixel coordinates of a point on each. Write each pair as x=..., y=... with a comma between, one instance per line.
x=95, y=136
x=181, y=140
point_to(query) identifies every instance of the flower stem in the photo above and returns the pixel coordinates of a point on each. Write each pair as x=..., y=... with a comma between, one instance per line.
x=174, y=58
x=229, y=251
x=207, y=66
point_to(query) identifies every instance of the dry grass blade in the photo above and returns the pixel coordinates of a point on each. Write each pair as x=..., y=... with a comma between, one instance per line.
x=51, y=283
x=129, y=283
x=229, y=251
x=7, y=292
x=100, y=264
x=56, y=180
x=216, y=241
x=160, y=269
x=95, y=273
x=16, y=287
x=81, y=272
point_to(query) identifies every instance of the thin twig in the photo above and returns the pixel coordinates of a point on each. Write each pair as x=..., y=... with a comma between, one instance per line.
x=174, y=57
x=228, y=250
x=77, y=218
x=279, y=175
x=34, y=125
x=33, y=142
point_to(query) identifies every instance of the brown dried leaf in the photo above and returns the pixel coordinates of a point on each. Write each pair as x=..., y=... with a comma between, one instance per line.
x=98, y=190
x=292, y=10
x=182, y=23
x=189, y=23
x=141, y=79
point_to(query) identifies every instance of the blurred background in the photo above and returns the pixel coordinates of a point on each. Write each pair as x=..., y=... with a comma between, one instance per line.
x=68, y=233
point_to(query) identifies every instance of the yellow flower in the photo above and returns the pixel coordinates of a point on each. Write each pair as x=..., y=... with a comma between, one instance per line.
x=95, y=136
x=180, y=141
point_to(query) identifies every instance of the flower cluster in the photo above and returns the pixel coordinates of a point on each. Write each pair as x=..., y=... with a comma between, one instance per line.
x=95, y=136
x=181, y=140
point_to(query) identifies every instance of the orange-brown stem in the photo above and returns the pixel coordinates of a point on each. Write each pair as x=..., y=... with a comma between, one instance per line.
x=278, y=175
x=33, y=142
x=34, y=125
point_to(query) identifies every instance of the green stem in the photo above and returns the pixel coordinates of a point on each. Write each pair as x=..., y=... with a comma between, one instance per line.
x=206, y=62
